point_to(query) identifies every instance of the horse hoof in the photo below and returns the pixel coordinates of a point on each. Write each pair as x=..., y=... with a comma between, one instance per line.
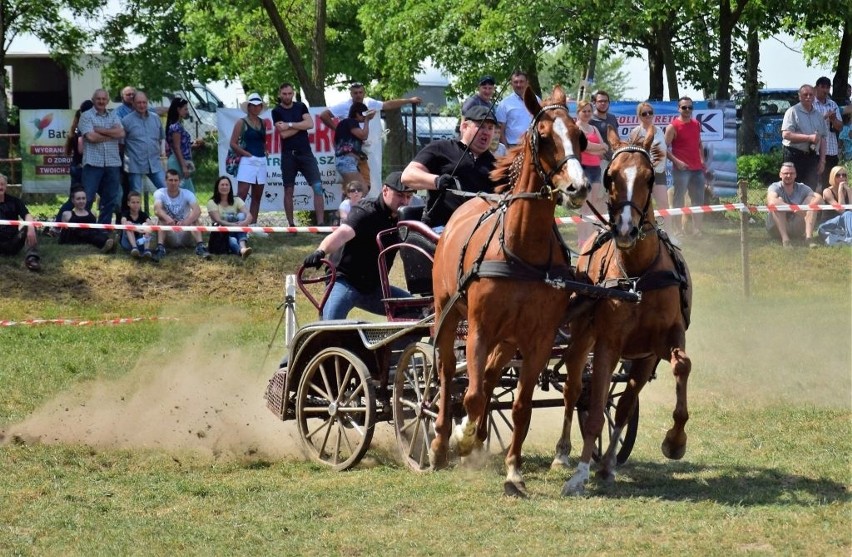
x=671, y=451
x=605, y=476
x=437, y=460
x=572, y=489
x=465, y=436
x=560, y=462
x=515, y=489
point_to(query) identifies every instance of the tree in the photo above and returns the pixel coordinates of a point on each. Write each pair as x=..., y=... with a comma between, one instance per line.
x=556, y=68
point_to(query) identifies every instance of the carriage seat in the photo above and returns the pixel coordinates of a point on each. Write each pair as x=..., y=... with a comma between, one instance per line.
x=418, y=256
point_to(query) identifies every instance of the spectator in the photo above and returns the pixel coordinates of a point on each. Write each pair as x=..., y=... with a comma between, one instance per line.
x=177, y=206
x=179, y=143
x=845, y=138
x=512, y=114
x=454, y=164
x=358, y=282
x=143, y=143
x=646, y=127
x=249, y=141
x=837, y=229
x=137, y=243
x=353, y=192
x=683, y=137
x=102, y=133
x=484, y=94
x=590, y=159
x=602, y=120
x=126, y=106
x=80, y=214
x=803, y=135
x=349, y=156
x=12, y=239
x=73, y=149
x=788, y=191
x=226, y=210
x=833, y=121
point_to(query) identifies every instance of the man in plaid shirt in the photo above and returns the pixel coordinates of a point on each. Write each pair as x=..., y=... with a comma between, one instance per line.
x=834, y=121
x=102, y=132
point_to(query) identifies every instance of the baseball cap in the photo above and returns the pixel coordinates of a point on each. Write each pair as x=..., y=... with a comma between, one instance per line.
x=479, y=113
x=394, y=182
x=254, y=98
x=486, y=80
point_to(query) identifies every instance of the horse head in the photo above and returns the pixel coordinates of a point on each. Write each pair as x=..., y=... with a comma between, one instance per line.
x=629, y=182
x=555, y=142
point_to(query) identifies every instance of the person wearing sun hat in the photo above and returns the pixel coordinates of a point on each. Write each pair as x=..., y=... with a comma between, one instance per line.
x=358, y=284
x=248, y=140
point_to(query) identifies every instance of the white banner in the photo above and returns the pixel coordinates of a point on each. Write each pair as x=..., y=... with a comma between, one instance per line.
x=322, y=143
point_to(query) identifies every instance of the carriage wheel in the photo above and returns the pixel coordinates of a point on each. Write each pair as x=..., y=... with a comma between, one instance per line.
x=628, y=434
x=336, y=408
x=500, y=425
x=415, y=405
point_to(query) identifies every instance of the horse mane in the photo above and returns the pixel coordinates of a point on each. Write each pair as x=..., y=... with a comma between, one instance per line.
x=653, y=150
x=500, y=174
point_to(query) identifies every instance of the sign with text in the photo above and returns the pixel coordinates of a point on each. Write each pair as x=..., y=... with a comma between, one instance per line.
x=44, y=166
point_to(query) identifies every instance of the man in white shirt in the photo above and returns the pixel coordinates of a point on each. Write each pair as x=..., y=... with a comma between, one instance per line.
x=512, y=113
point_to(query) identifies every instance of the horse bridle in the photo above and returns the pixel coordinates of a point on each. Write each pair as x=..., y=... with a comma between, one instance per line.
x=547, y=177
x=614, y=209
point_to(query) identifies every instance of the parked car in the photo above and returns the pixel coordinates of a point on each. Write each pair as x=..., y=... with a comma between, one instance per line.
x=772, y=104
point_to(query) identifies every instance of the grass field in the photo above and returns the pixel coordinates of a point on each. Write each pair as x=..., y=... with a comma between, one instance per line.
x=152, y=438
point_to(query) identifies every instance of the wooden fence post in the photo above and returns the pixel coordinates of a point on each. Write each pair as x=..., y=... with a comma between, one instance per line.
x=745, y=214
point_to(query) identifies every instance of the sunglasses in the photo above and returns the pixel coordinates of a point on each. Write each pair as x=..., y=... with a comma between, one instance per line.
x=686, y=107
x=646, y=114
x=356, y=190
x=841, y=175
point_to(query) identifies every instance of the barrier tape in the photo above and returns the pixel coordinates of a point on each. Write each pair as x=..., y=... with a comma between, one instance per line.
x=83, y=322
x=725, y=207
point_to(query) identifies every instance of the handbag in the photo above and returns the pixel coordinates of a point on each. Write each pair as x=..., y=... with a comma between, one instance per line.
x=232, y=160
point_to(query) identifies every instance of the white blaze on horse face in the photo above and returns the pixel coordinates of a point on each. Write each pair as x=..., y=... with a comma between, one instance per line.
x=575, y=170
x=630, y=179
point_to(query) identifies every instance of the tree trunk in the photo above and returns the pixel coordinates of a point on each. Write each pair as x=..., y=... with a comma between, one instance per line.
x=664, y=44
x=655, y=73
x=397, y=150
x=844, y=57
x=747, y=134
x=590, y=72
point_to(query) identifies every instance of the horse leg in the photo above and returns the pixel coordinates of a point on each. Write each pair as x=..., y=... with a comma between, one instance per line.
x=602, y=365
x=532, y=366
x=575, y=358
x=446, y=372
x=674, y=445
x=474, y=398
x=640, y=372
x=494, y=367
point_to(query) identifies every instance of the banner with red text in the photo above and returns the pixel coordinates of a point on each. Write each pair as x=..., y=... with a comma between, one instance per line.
x=44, y=166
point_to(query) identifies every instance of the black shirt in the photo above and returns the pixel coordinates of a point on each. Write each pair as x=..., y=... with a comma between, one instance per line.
x=449, y=156
x=294, y=114
x=11, y=208
x=359, y=261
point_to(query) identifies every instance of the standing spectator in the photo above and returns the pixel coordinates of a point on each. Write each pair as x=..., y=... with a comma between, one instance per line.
x=803, y=135
x=603, y=120
x=143, y=143
x=683, y=137
x=484, y=94
x=80, y=214
x=349, y=137
x=226, y=210
x=179, y=143
x=102, y=133
x=12, y=239
x=845, y=138
x=126, y=106
x=358, y=282
x=248, y=139
x=353, y=192
x=463, y=163
x=512, y=114
x=790, y=192
x=590, y=159
x=292, y=120
x=137, y=243
x=833, y=121
x=177, y=206
x=646, y=127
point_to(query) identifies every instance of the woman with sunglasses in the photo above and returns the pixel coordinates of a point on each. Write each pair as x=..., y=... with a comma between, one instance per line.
x=646, y=127
x=353, y=192
x=683, y=136
x=838, y=228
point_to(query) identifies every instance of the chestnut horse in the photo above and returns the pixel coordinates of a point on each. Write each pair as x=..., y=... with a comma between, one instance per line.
x=501, y=265
x=632, y=251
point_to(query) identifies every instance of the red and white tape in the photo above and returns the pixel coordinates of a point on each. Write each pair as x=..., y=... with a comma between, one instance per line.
x=82, y=322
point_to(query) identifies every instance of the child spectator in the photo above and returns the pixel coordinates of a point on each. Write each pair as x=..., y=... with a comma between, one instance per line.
x=226, y=210
x=353, y=192
x=79, y=214
x=137, y=243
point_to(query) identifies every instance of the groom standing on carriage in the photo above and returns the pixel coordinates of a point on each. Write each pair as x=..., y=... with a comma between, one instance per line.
x=454, y=164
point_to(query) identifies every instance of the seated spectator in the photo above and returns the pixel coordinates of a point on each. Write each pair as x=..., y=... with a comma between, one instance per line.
x=349, y=137
x=177, y=206
x=790, y=192
x=837, y=230
x=353, y=193
x=137, y=243
x=12, y=239
x=226, y=210
x=79, y=214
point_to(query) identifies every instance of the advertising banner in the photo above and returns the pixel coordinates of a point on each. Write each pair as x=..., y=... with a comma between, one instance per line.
x=44, y=166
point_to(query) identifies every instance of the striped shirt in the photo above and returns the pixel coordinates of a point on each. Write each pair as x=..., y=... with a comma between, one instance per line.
x=102, y=153
x=831, y=147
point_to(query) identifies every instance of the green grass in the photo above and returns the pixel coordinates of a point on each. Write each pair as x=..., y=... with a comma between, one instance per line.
x=155, y=439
